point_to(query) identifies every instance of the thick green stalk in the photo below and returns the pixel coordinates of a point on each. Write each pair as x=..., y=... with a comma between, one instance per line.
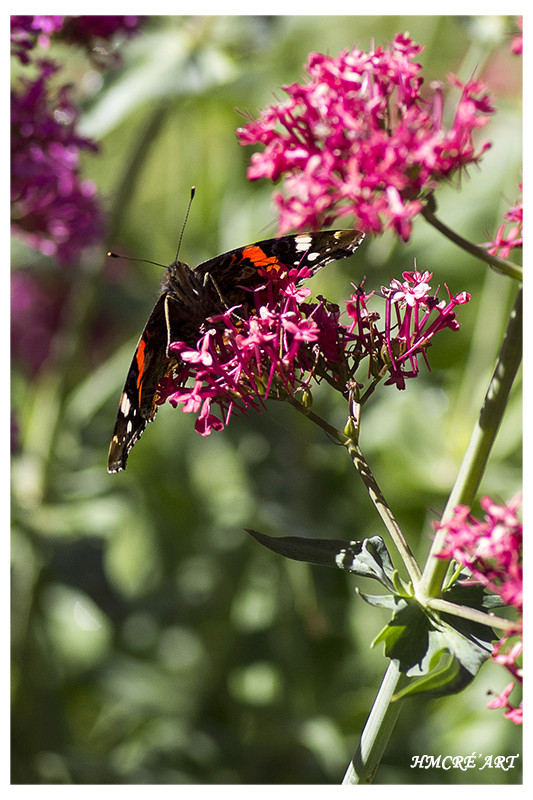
x=378, y=728
x=481, y=443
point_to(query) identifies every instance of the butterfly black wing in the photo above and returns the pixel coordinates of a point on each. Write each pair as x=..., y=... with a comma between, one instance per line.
x=150, y=363
x=241, y=267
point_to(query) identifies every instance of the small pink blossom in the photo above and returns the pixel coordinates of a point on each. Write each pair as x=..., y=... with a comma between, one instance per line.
x=509, y=234
x=491, y=549
x=412, y=318
x=513, y=713
x=517, y=44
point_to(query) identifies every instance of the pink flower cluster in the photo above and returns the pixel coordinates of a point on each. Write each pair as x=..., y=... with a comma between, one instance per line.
x=418, y=317
x=507, y=655
x=287, y=342
x=53, y=209
x=358, y=139
x=492, y=551
x=240, y=361
x=509, y=235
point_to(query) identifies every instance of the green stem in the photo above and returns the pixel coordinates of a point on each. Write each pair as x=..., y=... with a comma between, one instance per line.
x=501, y=264
x=372, y=487
x=378, y=728
x=335, y=433
x=384, y=511
x=490, y=620
x=481, y=442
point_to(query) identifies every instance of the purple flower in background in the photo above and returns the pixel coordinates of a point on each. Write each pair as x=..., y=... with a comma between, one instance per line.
x=28, y=32
x=54, y=210
x=37, y=301
x=84, y=29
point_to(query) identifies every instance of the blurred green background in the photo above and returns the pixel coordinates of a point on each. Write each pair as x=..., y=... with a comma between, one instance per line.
x=153, y=641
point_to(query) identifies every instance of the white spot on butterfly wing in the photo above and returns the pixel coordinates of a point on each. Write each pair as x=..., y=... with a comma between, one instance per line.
x=125, y=404
x=303, y=242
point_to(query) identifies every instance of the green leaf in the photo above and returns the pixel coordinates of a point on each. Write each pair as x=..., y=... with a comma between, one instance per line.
x=368, y=558
x=437, y=681
x=442, y=653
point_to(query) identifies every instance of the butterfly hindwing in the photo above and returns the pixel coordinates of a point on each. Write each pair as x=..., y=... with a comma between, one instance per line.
x=137, y=403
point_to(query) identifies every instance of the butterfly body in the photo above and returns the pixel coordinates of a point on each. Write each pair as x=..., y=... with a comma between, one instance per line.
x=189, y=296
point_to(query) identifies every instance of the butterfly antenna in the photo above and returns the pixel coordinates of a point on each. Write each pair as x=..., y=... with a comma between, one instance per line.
x=193, y=190
x=110, y=254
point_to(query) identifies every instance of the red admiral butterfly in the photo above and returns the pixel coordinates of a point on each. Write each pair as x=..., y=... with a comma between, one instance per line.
x=189, y=296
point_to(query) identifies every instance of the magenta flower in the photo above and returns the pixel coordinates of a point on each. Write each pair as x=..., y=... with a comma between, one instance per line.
x=54, y=210
x=288, y=342
x=240, y=361
x=358, y=139
x=517, y=45
x=84, y=30
x=491, y=550
x=509, y=234
x=418, y=317
x=28, y=32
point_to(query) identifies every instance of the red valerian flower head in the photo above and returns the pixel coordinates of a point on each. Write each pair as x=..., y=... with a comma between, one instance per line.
x=509, y=235
x=241, y=360
x=288, y=341
x=491, y=550
x=517, y=45
x=358, y=139
x=53, y=209
x=418, y=315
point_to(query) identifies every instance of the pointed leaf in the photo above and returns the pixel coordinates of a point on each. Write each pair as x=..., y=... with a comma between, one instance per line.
x=418, y=639
x=368, y=558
